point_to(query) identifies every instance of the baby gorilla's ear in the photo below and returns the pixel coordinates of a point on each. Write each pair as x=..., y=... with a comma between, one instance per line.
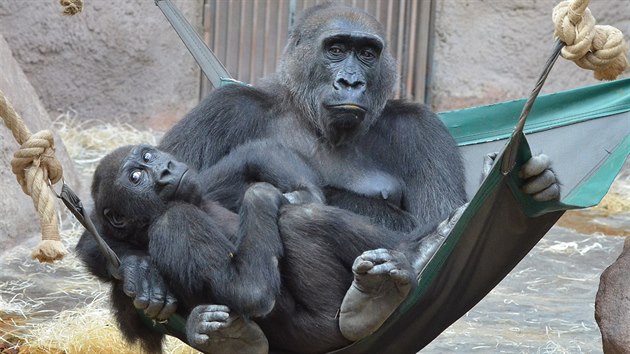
x=116, y=220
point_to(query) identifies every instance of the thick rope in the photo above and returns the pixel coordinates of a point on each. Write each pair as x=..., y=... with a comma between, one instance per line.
x=71, y=7
x=35, y=166
x=602, y=49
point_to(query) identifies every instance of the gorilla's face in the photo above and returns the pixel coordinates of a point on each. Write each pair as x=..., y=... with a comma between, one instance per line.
x=133, y=185
x=339, y=73
x=350, y=61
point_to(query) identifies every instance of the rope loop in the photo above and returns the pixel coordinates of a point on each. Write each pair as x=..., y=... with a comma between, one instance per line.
x=602, y=49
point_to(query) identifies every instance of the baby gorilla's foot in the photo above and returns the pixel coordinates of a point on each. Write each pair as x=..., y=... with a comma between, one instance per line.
x=382, y=280
x=212, y=329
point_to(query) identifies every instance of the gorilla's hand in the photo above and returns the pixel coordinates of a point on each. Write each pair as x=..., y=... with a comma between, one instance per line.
x=540, y=181
x=213, y=329
x=146, y=287
x=304, y=195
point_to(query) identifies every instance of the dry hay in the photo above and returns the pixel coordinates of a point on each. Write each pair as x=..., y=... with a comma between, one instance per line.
x=614, y=205
x=61, y=308
x=88, y=141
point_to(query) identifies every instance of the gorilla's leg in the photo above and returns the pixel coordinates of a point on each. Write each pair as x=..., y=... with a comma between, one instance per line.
x=212, y=329
x=382, y=280
x=321, y=243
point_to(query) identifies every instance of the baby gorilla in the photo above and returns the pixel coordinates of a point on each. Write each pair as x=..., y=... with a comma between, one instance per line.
x=288, y=266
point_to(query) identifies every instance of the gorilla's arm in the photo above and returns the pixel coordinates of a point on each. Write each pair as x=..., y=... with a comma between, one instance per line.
x=261, y=161
x=425, y=156
x=140, y=281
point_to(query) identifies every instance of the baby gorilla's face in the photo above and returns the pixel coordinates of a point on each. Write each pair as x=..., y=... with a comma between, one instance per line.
x=149, y=172
x=134, y=184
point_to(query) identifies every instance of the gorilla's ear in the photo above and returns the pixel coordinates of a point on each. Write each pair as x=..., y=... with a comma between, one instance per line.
x=116, y=220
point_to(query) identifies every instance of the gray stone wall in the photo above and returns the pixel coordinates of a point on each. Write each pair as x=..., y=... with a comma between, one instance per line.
x=492, y=50
x=115, y=60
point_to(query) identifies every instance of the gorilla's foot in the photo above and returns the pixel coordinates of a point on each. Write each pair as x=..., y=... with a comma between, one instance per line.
x=212, y=329
x=382, y=280
x=432, y=242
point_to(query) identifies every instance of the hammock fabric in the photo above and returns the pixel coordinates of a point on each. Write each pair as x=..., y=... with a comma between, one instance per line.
x=501, y=224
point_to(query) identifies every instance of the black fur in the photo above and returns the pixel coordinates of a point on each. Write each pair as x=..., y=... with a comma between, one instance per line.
x=391, y=161
x=206, y=254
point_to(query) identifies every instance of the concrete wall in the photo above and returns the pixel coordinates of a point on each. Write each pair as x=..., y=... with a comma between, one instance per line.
x=122, y=60
x=493, y=50
x=115, y=60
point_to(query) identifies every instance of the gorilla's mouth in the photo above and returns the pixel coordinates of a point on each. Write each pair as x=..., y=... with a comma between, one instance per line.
x=347, y=107
x=343, y=122
x=179, y=182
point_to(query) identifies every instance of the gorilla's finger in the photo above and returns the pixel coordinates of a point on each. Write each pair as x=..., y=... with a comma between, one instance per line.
x=214, y=316
x=535, y=166
x=170, y=306
x=539, y=183
x=362, y=266
x=402, y=277
x=156, y=302
x=488, y=162
x=551, y=193
x=199, y=339
x=380, y=255
x=141, y=301
x=214, y=308
x=208, y=327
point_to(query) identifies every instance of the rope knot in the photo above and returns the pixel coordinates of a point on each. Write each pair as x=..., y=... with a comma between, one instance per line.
x=71, y=7
x=37, y=151
x=591, y=46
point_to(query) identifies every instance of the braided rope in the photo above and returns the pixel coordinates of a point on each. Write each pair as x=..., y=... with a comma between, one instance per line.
x=34, y=166
x=602, y=49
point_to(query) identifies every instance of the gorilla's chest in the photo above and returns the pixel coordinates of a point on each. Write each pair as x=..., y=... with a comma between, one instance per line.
x=346, y=169
x=349, y=170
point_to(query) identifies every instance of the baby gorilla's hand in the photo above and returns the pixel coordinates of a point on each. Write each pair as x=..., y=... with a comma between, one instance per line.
x=143, y=283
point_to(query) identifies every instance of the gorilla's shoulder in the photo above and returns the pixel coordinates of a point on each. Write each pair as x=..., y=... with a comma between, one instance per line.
x=406, y=112
x=240, y=96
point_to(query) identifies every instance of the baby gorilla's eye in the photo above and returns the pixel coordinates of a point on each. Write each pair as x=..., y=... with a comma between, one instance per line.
x=147, y=156
x=135, y=176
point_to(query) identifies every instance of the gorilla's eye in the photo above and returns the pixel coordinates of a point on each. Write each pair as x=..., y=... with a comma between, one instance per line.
x=147, y=156
x=367, y=54
x=135, y=176
x=336, y=50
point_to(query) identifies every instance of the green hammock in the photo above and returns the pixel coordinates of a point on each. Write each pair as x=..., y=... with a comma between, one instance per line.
x=586, y=132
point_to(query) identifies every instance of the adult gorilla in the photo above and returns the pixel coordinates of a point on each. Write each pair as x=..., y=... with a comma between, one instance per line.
x=389, y=160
